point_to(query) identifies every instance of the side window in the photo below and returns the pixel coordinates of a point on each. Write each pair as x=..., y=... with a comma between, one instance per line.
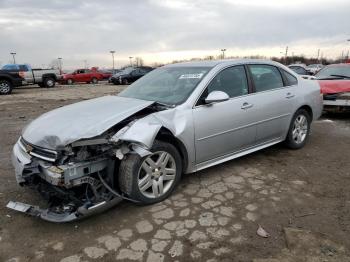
x=291, y=80
x=265, y=77
x=23, y=68
x=232, y=81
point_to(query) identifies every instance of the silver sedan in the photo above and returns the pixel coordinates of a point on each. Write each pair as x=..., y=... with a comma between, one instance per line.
x=180, y=118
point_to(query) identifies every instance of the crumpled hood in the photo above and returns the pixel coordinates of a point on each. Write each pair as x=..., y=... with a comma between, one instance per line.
x=86, y=119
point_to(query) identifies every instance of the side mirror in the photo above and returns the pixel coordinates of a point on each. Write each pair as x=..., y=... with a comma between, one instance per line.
x=216, y=96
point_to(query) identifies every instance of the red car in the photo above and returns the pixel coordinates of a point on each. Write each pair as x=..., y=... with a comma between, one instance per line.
x=106, y=74
x=82, y=75
x=335, y=87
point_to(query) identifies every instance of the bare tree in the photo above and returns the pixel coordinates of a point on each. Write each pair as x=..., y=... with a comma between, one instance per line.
x=139, y=61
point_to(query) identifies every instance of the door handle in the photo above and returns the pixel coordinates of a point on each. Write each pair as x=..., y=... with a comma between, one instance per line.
x=246, y=105
x=289, y=95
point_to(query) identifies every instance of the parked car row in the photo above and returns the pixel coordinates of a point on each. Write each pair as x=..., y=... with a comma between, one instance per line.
x=304, y=70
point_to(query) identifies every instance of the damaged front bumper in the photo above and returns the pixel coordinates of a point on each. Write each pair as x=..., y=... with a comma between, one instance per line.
x=59, y=182
x=51, y=216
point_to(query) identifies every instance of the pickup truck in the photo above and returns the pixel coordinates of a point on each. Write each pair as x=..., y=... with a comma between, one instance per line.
x=9, y=80
x=41, y=77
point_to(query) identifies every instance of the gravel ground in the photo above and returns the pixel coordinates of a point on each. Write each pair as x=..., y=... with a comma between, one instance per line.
x=212, y=216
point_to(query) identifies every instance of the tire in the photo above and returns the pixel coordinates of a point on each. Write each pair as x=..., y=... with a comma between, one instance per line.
x=132, y=173
x=70, y=81
x=299, y=130
x=5, y=87
x=94, y=81
x=49, y=82
x=125, y=82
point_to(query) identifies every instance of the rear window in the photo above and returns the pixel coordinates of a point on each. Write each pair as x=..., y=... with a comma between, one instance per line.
x=291, y=80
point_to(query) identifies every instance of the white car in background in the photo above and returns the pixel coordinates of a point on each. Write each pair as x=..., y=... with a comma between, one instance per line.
x=314, y=68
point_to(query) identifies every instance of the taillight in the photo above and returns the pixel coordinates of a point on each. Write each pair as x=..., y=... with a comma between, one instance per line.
x=21, y=74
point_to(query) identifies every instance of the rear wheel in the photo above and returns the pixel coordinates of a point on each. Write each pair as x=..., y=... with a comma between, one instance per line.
x=299, y=130
x=49, y=82
x=5, y=87
x=151, y=179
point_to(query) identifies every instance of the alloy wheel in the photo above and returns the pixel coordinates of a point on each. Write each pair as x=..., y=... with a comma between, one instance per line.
x=4, y=87
x=300, y=129
x=157, y=174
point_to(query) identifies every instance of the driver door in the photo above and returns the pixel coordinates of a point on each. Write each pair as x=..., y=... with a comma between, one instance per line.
x=227, y=127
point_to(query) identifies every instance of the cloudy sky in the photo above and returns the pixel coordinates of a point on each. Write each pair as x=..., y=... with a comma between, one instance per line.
x=39, y=31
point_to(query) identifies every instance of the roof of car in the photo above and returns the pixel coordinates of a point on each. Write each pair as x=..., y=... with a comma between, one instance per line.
x=213, y=63
x=341, y=64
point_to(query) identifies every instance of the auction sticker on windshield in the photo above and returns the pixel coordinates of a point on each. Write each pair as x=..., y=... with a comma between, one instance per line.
x=193, y=76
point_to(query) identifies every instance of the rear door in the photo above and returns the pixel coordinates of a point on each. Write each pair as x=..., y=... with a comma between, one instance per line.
x=274, y=100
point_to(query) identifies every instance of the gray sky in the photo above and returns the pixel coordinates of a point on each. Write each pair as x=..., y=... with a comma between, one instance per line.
x=162, y=31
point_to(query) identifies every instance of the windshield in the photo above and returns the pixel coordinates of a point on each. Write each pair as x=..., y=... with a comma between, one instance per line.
x=167, y=85
x=334, y=72
x=10, y=67
x=127, y=70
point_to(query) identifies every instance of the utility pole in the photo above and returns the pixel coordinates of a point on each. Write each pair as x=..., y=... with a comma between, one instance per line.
x=112, y=52
x=342, y=56
x=60, y=64
x=286, y=54
x=130, y=57
x=223, y=53
x=13, y=55
x=85, y=64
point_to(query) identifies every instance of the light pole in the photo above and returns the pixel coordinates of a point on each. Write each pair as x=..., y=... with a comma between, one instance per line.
x=112, y=52
x=347, y=56
x=131, y=57
x=60, y=64
x=223, y=53
x=13, y=55
x=85, y=64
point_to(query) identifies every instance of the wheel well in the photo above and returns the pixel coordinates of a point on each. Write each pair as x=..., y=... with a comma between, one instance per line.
x=166, y=136
x=49, y=76
x=6, y=78
x=308, y=109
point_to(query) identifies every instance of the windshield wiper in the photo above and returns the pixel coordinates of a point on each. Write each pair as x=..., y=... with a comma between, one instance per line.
x=332, y=77
x=342, y=76
x=163, y=105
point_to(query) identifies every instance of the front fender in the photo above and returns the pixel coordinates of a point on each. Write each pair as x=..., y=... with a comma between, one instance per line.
x=142, y=131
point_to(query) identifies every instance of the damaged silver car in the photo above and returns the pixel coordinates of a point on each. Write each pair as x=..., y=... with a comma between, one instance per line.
x=86, y=157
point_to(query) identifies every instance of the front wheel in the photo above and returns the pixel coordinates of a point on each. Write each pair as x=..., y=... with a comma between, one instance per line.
x=299, y=129
x=125, y=82
x=151, y=179
x=70, y=82
x=5, y=87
